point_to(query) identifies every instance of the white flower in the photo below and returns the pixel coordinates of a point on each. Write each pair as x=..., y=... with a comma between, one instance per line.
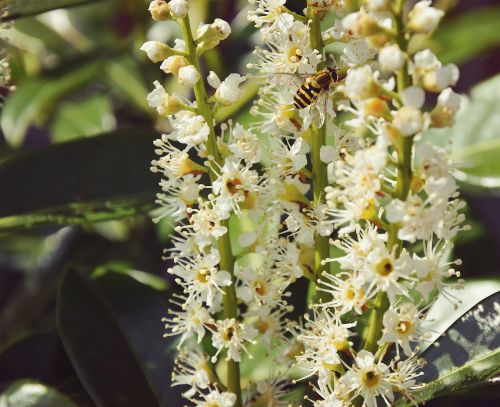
x=413, y=96
x=259, y=287
x=391, y=58
x=191, y=369
x=188, y=75
x=289, y=51
x=173, y=63
x=377, y=5
x=417, y=222
x=216, y=398
x=369, y=379
x=441, y=78
x=201, y=277
x=357, y=53
x=346, y=290
x=433, y=273
x=160, y=10
x=175, y=198
x=423, y=18
x=402, y=325
x=231, y=335
x=266, y=11
x=205, y=225
x=323, y=338
x=210, y=35
x=178, y=8
x=448, y=105
x=164, y=103
x=408, y=120
x=189, y=319
x=449, y=100
x=232, y=187
x=244, y=144
x=227, y=91
x=360, y=83
x=157, y=51
x=189, y=129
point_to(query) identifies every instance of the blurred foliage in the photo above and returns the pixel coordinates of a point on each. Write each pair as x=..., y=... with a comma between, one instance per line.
x=77, y=148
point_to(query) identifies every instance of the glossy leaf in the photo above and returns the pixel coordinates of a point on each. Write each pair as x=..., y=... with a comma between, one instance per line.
x=83, y=118
x=33, y=394
x=23, y=8
x=88, y=180
x=112, y=331
x=34, y=98
x=475, y=137
x=452, y=42
x=467, y=355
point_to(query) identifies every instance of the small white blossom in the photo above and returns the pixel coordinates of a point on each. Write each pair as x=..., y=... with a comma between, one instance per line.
x=423, y=18
x=231, y=335
x=179, y=8
x=188, y=75
x=391, y=58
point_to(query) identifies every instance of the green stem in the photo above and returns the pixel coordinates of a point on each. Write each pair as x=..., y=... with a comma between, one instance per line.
x=403, y=182
x=224, y=244
x=319, y=173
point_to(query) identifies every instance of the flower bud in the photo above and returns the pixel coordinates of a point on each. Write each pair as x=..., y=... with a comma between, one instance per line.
x=361, y=24
x=179, y=8
x=173, y=64
x=423, y=18
x=188, y=75
x=448, y=104
x=441, y=78
x=408, y=120
x=160, y=10
x=413, y=96
x=157, y=51
x=391, y=58
x=210, y=35
x=377, y=5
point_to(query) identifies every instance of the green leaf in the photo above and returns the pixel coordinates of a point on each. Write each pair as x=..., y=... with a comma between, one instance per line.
x=84, y=118
x=111, y=329
x=475, y=137
x=125, y=76
x=83, y=181
x=468, y=35
x=23, y=8
x=33, y=394
x=467, y=355
x=33, y=98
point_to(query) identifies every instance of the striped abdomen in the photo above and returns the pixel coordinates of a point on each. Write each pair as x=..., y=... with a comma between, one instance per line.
x=312, y=87
x=306, y=94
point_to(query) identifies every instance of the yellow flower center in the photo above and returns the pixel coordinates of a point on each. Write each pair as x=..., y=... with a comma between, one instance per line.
x=404, y=327
x=232, y=185
x=295, y=54
x=385, y=267
x=371, y=378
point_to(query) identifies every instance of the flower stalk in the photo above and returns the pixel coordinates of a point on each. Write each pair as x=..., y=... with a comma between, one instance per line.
x=319, y=172
x=230, y=305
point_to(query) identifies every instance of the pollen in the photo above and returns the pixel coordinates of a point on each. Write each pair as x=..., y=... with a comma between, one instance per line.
x=295, y=54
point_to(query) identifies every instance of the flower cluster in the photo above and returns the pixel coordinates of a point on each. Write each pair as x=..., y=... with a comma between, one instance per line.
x=259, y=207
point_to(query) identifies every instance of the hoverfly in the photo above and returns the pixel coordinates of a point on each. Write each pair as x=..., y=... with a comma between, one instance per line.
x=314, y=94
